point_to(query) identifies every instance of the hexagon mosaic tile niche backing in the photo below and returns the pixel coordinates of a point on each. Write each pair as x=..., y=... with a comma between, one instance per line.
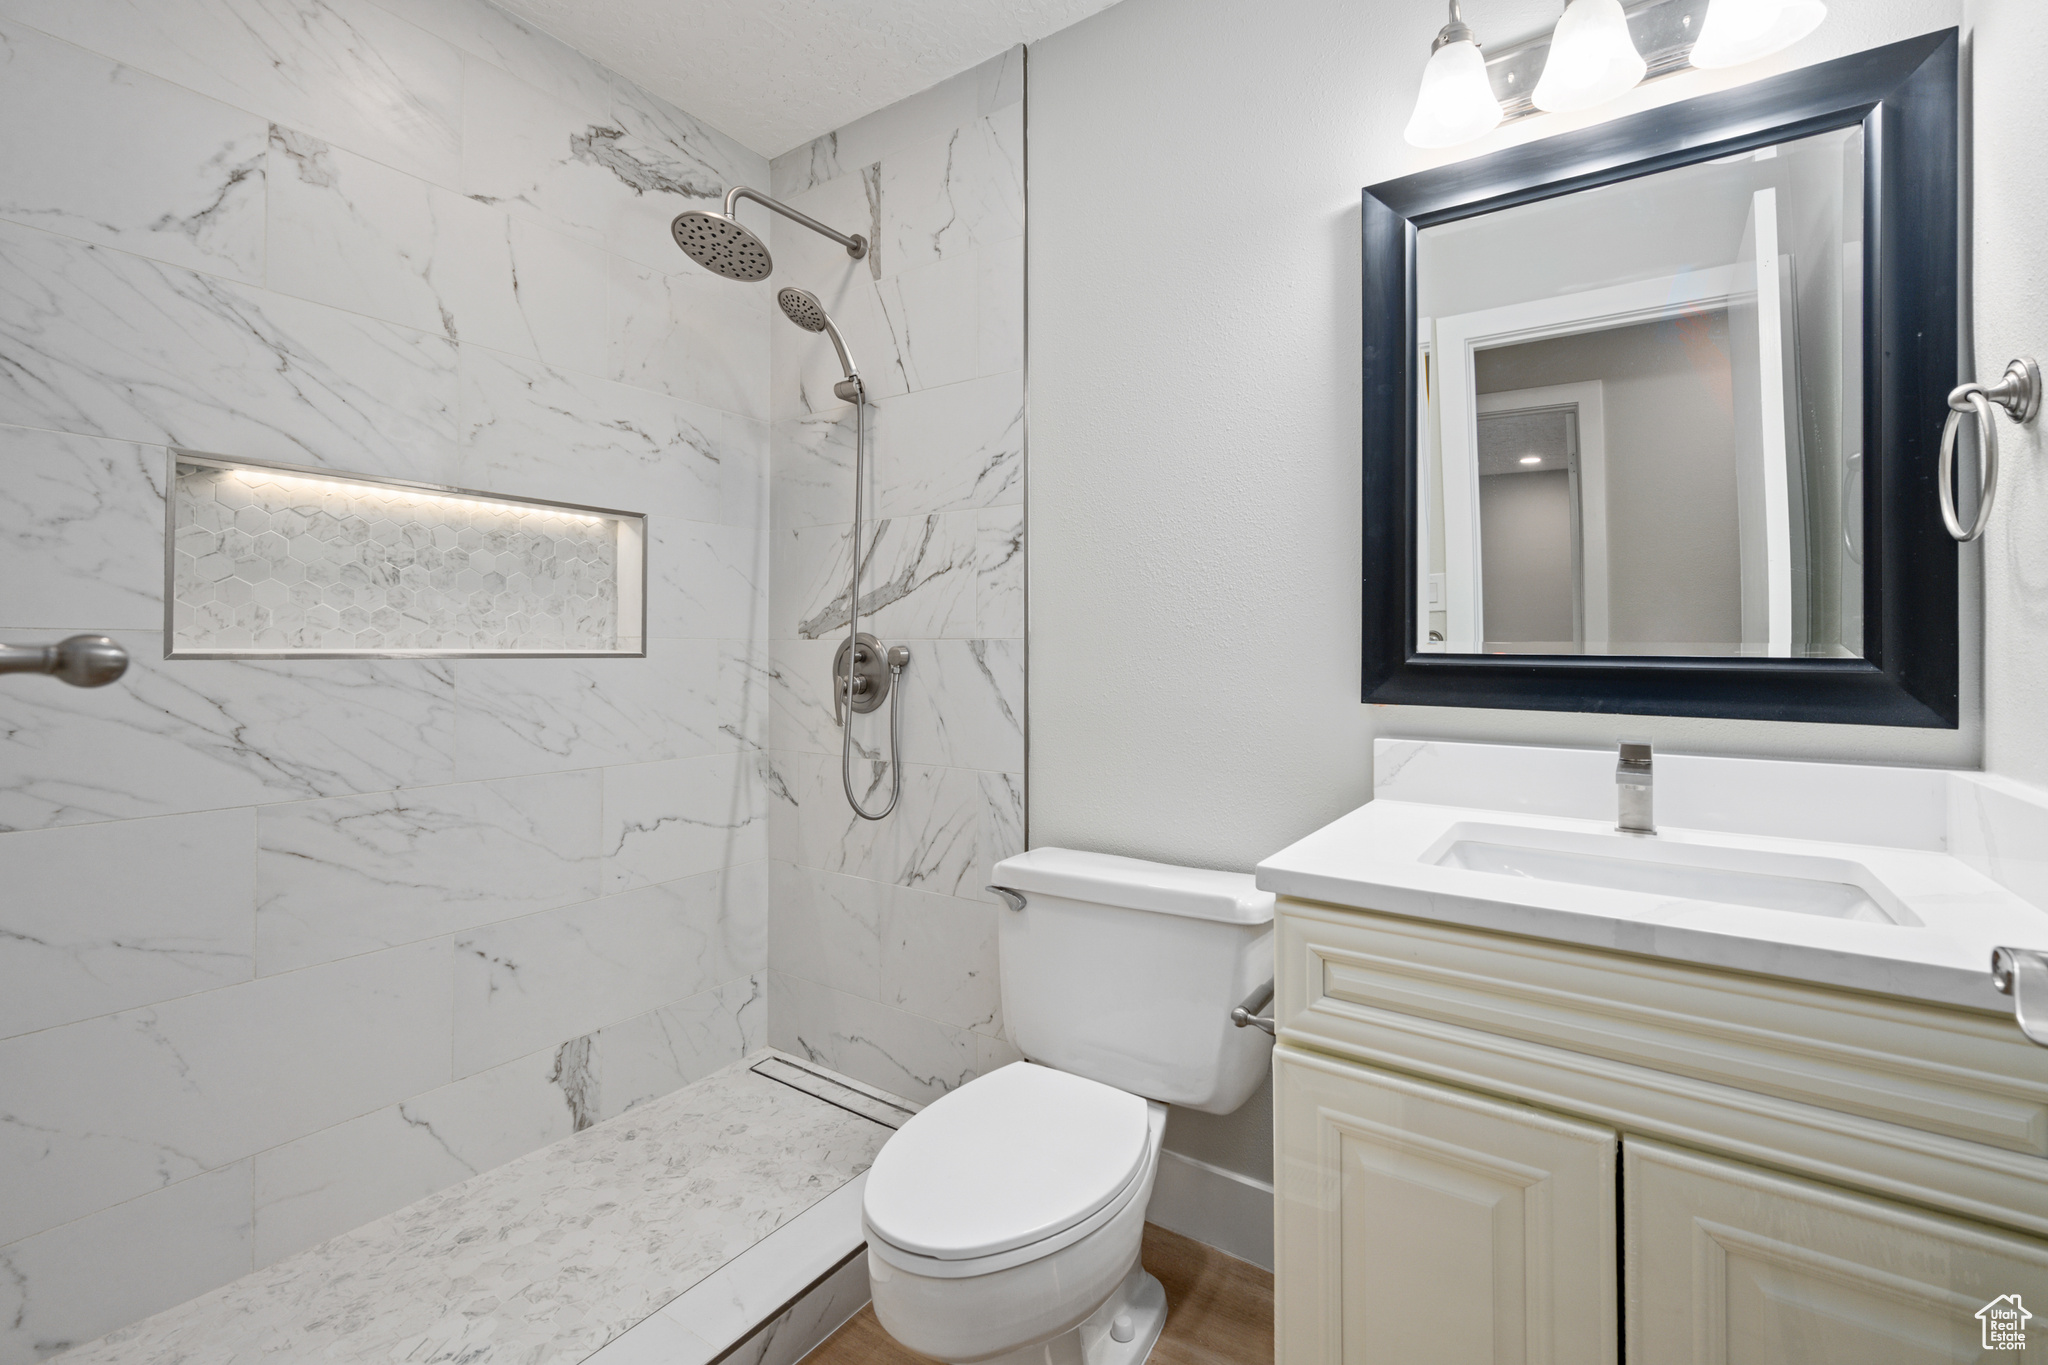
x=268, y=562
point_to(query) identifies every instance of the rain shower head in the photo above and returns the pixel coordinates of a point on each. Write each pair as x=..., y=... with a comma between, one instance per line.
x=801, y=307
x=717, y=242
x=722, y=246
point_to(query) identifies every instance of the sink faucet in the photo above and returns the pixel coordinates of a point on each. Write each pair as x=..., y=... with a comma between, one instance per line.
x=1632, y=780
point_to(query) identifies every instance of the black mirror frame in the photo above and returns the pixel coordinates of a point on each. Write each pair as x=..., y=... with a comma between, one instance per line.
x=1904, y=96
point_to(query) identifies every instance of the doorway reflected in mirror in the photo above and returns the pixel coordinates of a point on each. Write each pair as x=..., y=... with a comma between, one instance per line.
x=1641, y=414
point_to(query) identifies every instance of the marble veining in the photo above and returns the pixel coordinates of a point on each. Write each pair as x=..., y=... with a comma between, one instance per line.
x=905, y=1053
x=346, y=70
x=915, y=576
x=175, y=175
x=543, y=1259
x=81, y=532
x=194, y=735
x=103, y=343
x=356, y=873
x=105, y=917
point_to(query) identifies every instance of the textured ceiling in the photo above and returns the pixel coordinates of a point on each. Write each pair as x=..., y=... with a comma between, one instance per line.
x=777, y=73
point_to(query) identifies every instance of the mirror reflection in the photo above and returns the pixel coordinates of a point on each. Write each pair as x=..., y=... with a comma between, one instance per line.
x=1641, y=415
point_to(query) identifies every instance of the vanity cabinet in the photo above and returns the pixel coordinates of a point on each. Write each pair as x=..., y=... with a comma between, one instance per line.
x=1507, y=1215
x=1501, y=1149
x=1726, y=1262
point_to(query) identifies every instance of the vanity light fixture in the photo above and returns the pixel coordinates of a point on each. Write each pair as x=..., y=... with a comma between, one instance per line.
x=1456, y=102
x=1592, y=58
x=1532, y=459
x=1738, y=31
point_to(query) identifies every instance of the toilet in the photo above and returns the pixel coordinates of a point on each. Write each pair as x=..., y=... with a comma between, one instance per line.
x=1003, y=1222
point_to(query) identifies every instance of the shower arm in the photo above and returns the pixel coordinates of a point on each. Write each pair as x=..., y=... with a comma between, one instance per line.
x=856, y=245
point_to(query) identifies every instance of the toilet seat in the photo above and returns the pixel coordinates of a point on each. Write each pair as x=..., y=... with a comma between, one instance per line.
x=1005, y=1165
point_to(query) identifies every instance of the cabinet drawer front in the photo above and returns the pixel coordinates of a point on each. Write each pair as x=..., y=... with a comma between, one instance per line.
x=1421, y=1223
x=1730, y=1265
x=1949, y=1072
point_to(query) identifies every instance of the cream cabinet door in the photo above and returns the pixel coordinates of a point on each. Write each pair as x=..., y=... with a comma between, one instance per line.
x=1730, y=1265
x=1419, y=1225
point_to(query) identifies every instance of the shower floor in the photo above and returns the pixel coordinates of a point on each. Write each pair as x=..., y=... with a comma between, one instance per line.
x=617, y=1235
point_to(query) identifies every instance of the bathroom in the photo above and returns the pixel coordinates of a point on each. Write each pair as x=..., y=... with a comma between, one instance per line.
x=513, y=970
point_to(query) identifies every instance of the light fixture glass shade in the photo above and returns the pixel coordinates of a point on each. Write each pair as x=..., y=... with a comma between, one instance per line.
x=1738, y=31
x=1456, y=102
x=1592, y=58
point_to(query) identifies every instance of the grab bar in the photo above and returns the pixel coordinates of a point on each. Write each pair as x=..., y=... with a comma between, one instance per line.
x=2019, y=393
x=1247, y=1014
x=82, y=660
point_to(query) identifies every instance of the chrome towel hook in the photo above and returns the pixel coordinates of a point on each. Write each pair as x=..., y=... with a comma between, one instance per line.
x=2019, y=393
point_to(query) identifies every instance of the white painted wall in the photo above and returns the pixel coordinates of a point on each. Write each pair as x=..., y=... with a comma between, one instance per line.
x=1194, y=286
x=2003, y=46
x=1195, y=328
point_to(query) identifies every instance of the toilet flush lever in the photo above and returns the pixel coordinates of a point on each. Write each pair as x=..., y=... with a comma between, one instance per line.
x=2022, y=973
x=1247, y=1015
x=1013, y=899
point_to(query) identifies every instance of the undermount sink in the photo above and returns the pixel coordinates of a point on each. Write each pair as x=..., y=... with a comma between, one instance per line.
x=1832, y=888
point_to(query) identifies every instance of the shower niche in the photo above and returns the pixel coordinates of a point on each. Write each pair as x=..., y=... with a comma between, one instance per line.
x=281, y=561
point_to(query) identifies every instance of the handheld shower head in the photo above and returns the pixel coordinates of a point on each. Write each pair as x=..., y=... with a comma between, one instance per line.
x=722, y=246
x=801, y=307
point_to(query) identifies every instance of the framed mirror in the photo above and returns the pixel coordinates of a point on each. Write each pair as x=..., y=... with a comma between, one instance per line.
x=1653, y=409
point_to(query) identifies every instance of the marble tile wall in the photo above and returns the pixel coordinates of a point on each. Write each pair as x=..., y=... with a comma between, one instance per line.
x=881, y=940
x=288, y=944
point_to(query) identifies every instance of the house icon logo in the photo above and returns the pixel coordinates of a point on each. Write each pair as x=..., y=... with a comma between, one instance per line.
x=2005, y=1323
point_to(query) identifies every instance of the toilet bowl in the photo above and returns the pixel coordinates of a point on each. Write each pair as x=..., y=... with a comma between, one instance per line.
x=1004, y=1221
x=1009, y=1213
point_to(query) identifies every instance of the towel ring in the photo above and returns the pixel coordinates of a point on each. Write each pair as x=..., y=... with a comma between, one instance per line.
x=2019, y=393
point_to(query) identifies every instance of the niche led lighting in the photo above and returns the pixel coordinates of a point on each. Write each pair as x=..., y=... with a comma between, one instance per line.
x=1592, y=58
x=1456, y=102
x=1738, y=31
x=281, y=561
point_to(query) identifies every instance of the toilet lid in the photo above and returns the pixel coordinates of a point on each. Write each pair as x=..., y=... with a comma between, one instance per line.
x=1019, y=1155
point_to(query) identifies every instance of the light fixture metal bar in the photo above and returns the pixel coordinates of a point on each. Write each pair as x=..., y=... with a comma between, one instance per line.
x=1663, y=30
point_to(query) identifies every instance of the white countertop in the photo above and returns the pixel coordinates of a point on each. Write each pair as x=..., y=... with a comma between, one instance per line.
x=1382, y=857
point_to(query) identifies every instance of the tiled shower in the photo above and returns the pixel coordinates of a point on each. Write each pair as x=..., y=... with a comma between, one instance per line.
x=292, y=942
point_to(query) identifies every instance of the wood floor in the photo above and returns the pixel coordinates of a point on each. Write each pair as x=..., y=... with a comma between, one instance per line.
x=1219, y=1311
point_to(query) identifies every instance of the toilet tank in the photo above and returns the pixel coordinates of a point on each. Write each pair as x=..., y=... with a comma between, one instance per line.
x=1126, y=971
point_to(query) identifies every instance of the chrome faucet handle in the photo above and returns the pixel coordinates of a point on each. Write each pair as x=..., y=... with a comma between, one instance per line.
x=2022, y=973
x=1634, y=776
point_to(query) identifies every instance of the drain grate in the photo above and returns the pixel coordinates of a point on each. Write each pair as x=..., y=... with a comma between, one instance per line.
x=823, y=1086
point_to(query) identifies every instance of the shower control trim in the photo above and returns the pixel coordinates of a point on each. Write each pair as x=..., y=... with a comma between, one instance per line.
x=873, y=669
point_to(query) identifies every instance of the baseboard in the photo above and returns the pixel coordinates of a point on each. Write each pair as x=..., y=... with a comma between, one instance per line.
x=1231, y=1212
